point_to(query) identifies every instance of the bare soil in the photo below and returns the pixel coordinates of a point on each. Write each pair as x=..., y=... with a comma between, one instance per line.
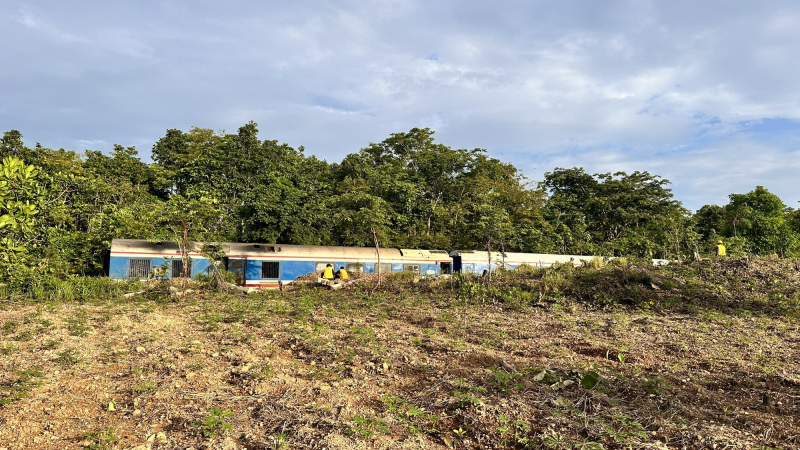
x=409, y=365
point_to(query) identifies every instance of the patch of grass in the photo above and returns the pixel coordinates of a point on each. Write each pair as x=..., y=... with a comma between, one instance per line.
x=68, y=357
x=24, y=336
x=8, y=349
x=144, y=387
x=211, y=322
x=112, y=354
x=77, y=326
x=261, y=371
x=99, y=440
x=503, y=381
x=654, y=385
x=44, y=326
x=18, y=389
x=465, y=400
x=214, y=423
x=50, y=344
x=413, y=417
x=9, y=327
x=196, y=366
x=366, y=427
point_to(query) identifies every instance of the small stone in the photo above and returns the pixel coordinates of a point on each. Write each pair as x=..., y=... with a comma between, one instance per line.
x=137, y=412
x=161, y=437
x=228, y=444
x=139, y=349
x=214, y=355
x=324, y=387
x=189, y=375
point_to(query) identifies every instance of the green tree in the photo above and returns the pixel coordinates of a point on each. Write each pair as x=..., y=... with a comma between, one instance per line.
x=760, y=217
x=617, y=214
x=21, y=198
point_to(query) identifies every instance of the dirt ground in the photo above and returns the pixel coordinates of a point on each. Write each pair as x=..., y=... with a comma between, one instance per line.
x=413, y=367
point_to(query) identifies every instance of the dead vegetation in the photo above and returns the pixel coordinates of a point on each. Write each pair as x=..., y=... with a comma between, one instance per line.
x=700, y=356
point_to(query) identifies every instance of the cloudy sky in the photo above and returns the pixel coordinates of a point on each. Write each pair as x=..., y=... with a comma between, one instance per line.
x=703, y=93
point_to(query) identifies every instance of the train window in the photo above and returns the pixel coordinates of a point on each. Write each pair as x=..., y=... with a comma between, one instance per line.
x=321, y=266
x=444, y=268
x=354, y=267
x=384, y=267
x=139, y=268
x=177, y=268
x=270, y=269
x=237, y=264
x=468, y=268
x=411, y=268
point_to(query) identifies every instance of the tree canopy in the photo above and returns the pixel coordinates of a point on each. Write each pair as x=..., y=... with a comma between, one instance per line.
x=59, y=210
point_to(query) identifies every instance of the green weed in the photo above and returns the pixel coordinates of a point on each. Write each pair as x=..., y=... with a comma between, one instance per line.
x=144, y=387
x=367, y=427
x=214, y=423
x=18, y=389
x=77, y=326
x=99, y=440
x=68, y=357
x=8, y=349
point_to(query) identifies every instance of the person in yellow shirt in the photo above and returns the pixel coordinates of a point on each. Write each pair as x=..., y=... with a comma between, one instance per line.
x=720, y=248
x=342, y=274
x=328, y=272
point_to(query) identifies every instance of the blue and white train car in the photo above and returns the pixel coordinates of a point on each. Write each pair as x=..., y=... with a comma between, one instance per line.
x=470, y=261
x=136, y=258
x=269, y=265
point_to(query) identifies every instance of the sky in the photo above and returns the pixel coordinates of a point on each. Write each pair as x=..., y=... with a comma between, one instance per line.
x=703, y=93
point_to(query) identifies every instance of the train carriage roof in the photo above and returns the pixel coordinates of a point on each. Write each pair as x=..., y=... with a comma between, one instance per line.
x=515, y=258
x=323, y=252
x=120, y=247
x=141, y=246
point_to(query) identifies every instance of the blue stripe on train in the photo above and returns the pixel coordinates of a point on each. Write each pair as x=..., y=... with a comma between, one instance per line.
x=288, y=269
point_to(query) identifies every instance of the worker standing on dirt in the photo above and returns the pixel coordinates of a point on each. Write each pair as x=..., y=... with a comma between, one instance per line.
x=342, y=274
x=720, y=248
x=328, y=272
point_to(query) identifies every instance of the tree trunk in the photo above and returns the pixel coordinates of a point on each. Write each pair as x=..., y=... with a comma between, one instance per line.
x=378, y=250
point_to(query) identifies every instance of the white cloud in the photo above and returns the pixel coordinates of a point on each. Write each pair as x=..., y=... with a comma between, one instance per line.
x=669, y=87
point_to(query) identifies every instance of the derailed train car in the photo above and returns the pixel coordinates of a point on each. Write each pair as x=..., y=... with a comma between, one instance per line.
x=268, y=265
x=470, y=261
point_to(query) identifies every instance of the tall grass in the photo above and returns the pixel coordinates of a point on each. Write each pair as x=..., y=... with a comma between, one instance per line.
x=75, y=288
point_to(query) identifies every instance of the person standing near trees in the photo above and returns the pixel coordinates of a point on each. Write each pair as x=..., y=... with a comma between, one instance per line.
x=720, y=248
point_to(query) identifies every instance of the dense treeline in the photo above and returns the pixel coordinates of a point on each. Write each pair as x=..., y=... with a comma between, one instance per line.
x=59, y=210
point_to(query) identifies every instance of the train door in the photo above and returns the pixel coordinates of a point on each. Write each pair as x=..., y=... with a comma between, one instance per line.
x=239, y=267
x=444, y=268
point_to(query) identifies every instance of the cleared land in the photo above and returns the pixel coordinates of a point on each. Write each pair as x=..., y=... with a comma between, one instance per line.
x=702, y=357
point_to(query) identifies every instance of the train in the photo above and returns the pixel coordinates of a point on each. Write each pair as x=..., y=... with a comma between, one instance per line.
x=269, y=266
